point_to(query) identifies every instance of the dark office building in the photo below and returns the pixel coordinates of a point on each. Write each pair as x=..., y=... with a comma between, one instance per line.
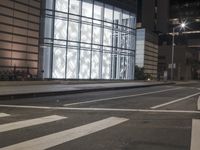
x=152, y=19
x=187, y=39
x=153, y=15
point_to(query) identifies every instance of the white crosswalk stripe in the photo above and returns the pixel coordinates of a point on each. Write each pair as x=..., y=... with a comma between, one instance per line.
x=58, y=138
x=30, y=122
x=4, y=115
x=195, y=144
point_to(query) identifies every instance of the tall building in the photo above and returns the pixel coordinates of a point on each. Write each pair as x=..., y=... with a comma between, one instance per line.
x=19, y=36
x=153, y=15
x=88, y=39
x=151, y=21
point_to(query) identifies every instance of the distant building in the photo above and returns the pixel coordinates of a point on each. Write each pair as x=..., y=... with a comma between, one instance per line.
x=147, y=52
x=188, y=40
x=184, y=60
x=186, y=11
x=153, y=16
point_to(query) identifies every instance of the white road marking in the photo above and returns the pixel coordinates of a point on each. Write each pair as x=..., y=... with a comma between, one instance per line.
x=175, y=101
x=119, y=97
x=52, y=140
x=28, y=123
x=4, y=115
x=134, y=110
x=198, y=103
x=195, y=144
x=104, y=109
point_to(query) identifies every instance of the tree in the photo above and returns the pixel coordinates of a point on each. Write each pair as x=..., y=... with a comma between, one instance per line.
x=139, y=73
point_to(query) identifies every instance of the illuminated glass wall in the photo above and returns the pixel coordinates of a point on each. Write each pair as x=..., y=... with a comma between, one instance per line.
x=88, y=40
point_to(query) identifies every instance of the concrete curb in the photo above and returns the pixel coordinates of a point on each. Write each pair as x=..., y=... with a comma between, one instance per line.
x=198, y=103
x=54, y=93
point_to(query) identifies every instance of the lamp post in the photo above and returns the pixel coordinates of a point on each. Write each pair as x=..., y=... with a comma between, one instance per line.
x=181, y=26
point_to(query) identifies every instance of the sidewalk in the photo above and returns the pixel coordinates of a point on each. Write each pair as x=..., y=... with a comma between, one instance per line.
x=21, y=89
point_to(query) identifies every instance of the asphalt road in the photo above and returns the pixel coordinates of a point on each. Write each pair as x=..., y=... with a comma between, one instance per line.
x=153, y=118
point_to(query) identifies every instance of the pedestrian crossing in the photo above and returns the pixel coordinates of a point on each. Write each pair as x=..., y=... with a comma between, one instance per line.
x=60, y=137
x=4, y=115
x=28, y=123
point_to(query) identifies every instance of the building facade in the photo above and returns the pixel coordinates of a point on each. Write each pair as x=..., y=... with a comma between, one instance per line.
x=147, y=52
x=19, y=37
x=184, y=61
x=88, y=39
x=187, y=41
x=153, y=15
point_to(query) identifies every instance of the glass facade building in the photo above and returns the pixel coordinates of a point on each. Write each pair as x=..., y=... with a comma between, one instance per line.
x=87, y=39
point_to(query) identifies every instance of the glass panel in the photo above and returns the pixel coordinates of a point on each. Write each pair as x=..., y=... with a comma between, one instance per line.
x=59, y=60
x=62, y=5
x=124, y=40
x=71, y=62
x=98, y=10
x=87, y=8
x=132, y=21
x=48, y=28
x=123, y=66
x=107, y=39
x=86, y=33
x=106, y=64
x=95, y=62
x=108, y=13
x=96, y=35
x=117, y=16
x=47, y=62
x=85, y=61
x=125, y=19
x=73, y=30
x=50, y=4
x=60, y=29
x=74, y=7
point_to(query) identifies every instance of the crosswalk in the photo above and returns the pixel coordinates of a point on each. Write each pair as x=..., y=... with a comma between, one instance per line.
x=4, y=115
x=28, y=123
x=195, y=136
x=60, y=137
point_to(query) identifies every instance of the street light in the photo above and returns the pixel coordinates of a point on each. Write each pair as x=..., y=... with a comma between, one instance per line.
x=181, y=26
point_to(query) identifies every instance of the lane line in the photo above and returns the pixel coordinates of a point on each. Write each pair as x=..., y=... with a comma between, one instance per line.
x=134, y=110
x=175, y=101
x=4, y=115
x=195, y=144
x=28, y=123
x=103, y=109
x=55, y=139
x=119, y=97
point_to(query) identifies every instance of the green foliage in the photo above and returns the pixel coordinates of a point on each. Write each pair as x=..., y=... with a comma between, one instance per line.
x=140, y=75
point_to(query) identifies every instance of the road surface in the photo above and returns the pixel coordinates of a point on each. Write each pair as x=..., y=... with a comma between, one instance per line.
x=152, y=118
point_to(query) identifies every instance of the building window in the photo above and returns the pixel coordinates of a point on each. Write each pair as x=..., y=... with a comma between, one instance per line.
x=90, y=40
